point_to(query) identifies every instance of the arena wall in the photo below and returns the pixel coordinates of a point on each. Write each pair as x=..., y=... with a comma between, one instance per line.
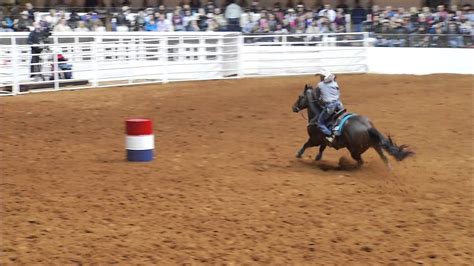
x=420, y=61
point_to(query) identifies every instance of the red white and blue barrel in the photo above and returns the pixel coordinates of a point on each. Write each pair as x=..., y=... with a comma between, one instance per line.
x=140, y=141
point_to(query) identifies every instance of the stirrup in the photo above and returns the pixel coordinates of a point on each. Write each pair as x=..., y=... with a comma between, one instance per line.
x=330, y=139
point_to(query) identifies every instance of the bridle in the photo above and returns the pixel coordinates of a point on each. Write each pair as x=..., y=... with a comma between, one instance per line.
x=311, y=101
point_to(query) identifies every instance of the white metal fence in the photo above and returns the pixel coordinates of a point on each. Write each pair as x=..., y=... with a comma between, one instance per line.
x=115, y=59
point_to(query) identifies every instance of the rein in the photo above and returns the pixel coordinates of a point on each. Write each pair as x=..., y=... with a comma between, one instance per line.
x=302, y=115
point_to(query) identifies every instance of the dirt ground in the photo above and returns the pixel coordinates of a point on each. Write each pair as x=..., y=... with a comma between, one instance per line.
x=225, y=187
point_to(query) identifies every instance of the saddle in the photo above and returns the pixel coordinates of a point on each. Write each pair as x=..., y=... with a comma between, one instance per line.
x=337, y=121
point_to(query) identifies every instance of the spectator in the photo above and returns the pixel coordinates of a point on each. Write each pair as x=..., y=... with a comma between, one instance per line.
x=358, y=16
x=313, y=28
x=163, y=24
x=187, y=18
x=455, y=40
x=233, y=12
x=81, y=27
x=6, y=23
x=291, y=17
x=177, y=21
x=31, y=12
x=254, y=7
x=24, y=23
x=251, y=25
x=52, y=18
x=210, y=8
x=195, y=5
x=441, y=15
x=34, y=40
x=399, y=33
x=220, y=19
x=43, y=22
x=98, y=26
x=342, y=4
x=324, y=25
x=151, y=24
x=468, y=12
x=193, y=25
x=340, y=18
x=466, y=26
x=212, y=25
x=202, y=19
x=280, y=29
x=62, y=26
x=74, y=19
x=390, y=26
x=328, y=12
x=300, y=10
x=279, y=14
x=139, y=21
x=389, y=13
x=438, y=39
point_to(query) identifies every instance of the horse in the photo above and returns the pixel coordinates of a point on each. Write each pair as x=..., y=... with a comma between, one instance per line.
x=358, y=134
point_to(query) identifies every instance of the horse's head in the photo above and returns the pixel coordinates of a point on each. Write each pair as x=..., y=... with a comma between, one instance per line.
x=302, y=101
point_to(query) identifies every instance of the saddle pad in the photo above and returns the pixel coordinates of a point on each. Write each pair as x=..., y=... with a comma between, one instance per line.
x=340, y=125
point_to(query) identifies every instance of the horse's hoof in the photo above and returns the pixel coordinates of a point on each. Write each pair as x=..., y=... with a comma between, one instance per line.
x=318, y=158
x=299, y=154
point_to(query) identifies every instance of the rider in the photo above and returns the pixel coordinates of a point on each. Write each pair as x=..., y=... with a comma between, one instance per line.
x=329, y=93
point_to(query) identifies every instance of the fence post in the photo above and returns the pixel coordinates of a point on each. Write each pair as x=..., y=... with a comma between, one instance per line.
x=55, y=69
x=164, y=57
x=54, y=53
x=366, y=50
x=202, y=48
x=220, y=48
x=240, y=55
x=366, y=39
x=95, y=60
x=129, y=51
x=14, y=62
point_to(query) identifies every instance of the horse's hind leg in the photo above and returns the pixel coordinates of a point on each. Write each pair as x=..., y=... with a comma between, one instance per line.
x=321, y=150
x=358, y=158
x=308, y=144
x=379, y=150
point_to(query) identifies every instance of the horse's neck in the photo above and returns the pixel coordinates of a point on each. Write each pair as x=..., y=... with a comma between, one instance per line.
x=313, y=110
x=311, y=114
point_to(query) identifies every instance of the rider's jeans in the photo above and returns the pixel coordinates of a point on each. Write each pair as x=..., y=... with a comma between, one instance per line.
x=328, y=110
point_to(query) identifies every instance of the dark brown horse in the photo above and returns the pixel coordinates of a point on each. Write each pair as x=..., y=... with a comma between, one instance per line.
x=358, y=134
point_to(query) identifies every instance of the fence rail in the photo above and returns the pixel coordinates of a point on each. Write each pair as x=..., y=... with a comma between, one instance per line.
x=115, y=59
x=423, y=40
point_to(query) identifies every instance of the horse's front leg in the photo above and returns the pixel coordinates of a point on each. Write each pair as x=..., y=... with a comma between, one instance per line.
x=308, y=144
x=321, y=150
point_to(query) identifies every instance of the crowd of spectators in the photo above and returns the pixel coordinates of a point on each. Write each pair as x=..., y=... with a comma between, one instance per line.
x=388, y=26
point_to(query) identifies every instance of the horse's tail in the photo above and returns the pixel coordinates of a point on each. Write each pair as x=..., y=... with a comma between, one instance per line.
x=398, y=152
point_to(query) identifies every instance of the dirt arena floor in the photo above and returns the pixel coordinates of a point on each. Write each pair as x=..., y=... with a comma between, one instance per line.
x=225, y=187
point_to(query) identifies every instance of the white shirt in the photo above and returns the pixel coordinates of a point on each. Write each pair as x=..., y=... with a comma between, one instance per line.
x=233, y=11
x=331, y=14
